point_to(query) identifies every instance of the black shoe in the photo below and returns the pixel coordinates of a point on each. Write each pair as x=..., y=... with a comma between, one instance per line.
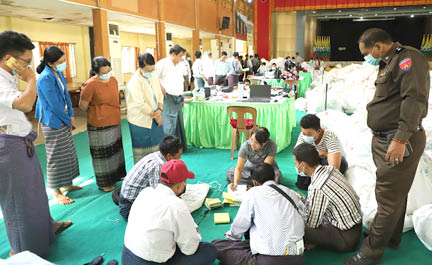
x=361, y=259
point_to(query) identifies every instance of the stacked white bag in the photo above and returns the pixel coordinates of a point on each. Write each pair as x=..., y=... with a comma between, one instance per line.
x=356, y=139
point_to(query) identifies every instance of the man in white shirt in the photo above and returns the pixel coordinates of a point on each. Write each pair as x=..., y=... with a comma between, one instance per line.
x=236, y=71
x=274, y=217
x=208, y=68
x=161, y=229
x=198, y=71
x=171, y=81
x=187, y=73
x=23, y=199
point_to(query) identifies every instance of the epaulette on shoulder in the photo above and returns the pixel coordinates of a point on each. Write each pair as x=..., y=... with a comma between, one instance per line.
x=399, y=49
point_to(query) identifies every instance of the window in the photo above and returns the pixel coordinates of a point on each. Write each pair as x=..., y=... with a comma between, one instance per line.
x=128, y=60
x=68, y=48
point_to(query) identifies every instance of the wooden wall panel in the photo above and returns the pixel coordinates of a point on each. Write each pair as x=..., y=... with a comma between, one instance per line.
x=208, y=16
x=180, y=12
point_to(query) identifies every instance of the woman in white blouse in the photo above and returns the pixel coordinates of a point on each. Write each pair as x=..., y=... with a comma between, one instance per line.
x=144, y=101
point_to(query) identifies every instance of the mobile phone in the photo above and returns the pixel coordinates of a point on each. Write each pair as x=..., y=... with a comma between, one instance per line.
x=408, y=150
x=11, y=61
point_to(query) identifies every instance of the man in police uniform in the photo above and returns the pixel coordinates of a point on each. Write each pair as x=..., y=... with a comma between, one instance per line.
x=394, y=116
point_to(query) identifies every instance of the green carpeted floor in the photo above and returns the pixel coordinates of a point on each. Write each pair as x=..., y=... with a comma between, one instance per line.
x=98, y=229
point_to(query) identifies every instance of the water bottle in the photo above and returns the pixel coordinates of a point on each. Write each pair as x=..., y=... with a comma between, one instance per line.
x=240, y=90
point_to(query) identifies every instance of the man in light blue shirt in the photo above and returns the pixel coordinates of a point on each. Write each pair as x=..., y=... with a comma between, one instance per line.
x=274, y=217
x=236, y=70
x=222, y=69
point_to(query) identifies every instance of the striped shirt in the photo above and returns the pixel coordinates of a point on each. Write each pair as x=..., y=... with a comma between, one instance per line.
x=329, y=142
x=145, y=173
x=330, y=195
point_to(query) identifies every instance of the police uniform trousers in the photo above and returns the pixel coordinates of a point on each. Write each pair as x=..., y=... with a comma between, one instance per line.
x=391, y=191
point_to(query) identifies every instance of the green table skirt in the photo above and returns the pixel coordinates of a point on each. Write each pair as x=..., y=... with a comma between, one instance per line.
x=304, y=84
x=207, y=123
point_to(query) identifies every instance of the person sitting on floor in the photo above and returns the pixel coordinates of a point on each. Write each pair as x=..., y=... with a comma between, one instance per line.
x=274, y=216
x=334, y=215
x=327, y=144
x=161, y=229
x=259, y=148
x=146, y=172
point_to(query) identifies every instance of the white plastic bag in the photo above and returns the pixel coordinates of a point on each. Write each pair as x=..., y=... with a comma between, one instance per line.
x=422, y=219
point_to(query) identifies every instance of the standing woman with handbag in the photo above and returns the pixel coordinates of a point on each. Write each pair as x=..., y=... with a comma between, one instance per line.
x=100, y=98
x=56, y=115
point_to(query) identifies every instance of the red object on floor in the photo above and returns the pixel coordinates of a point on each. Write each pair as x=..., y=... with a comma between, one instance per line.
x=248, y=122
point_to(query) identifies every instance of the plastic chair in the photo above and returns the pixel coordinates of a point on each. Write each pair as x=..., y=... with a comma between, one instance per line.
x=241, y=124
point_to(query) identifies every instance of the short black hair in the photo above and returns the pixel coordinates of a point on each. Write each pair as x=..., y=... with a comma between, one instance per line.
x=224, y=53
x=261, y=134
x=198, y=54
x=51, y=55
x=305, y=152
x=247, y=80
x=176, y=49
x=170, y=145
x=263, y=63
x=310, y=121
x=262, y=173
x=97, y=63
x=236, y=54
x=145, y=59
x=373, y=35
x=14, y=43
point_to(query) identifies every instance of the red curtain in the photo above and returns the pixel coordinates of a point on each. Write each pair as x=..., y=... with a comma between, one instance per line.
x=43, y=45
x=137, y=53
x=334, y=4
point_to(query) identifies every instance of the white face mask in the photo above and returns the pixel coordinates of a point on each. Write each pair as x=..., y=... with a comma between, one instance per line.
x=309, y=139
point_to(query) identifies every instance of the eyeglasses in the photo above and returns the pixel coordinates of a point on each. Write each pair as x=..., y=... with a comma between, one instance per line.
x=27, y=61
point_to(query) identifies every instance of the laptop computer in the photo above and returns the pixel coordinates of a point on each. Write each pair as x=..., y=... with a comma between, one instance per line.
x=260, y=93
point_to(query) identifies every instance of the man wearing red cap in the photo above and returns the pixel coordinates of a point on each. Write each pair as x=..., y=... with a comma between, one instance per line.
x=161, y=229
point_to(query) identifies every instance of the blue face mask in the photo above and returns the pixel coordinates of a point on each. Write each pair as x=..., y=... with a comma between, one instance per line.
x=148, y=75
x=371, y=60
x=300, y=173
x=61, y=67
x=106, y=76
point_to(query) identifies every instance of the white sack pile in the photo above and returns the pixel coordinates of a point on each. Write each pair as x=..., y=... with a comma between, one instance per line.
x=356, y=139
x=349, y=88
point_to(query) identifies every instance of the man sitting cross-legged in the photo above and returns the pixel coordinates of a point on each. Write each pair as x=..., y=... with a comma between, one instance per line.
x=334, y=215
x=146, y=172
x=274, y=217
x=161, y=229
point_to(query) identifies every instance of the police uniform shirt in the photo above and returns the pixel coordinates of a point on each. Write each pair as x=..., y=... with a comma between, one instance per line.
x=402, y=92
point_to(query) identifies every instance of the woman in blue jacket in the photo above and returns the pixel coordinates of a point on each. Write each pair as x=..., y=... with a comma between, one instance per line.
x=56, y=115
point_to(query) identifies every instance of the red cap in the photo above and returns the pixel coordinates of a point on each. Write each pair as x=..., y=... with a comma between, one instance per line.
x=175, y=172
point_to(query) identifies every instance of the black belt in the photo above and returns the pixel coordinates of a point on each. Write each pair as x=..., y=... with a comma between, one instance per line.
x=384, y=134
x=124, y=201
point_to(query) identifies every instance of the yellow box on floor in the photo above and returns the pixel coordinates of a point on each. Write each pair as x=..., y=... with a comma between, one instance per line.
x=222, y=218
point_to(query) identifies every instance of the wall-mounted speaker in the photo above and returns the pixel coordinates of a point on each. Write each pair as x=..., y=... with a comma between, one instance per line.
x=168, y=36
x=225, y=22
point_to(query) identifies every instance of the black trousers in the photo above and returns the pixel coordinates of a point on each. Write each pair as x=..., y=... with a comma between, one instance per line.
x=236, y=252
x=330, y=237
x=391, y=191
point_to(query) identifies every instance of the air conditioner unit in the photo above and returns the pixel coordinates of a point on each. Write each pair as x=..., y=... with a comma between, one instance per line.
x=115, y=52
